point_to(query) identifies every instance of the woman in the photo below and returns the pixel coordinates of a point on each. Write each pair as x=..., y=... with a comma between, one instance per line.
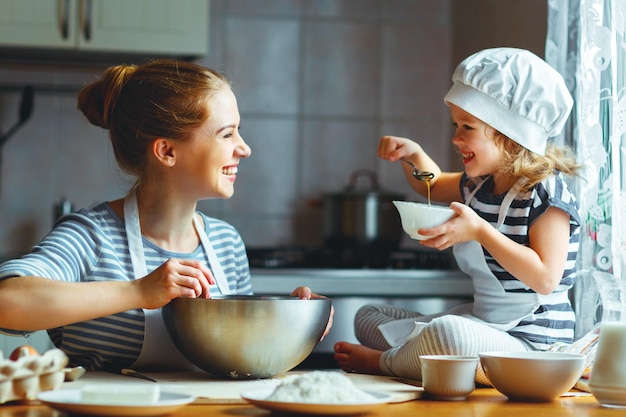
x=99, y=278
x=516, y=234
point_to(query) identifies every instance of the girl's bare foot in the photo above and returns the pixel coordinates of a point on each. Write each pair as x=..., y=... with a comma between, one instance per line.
x=358, y=358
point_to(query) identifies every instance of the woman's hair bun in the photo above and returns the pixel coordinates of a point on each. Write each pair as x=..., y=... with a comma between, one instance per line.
x=98, y=100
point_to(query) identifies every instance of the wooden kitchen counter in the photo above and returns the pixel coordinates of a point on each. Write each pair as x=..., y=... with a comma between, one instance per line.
x=483, y=402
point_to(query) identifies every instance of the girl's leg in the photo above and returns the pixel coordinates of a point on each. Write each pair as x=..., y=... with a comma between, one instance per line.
x=369, y=317
x=448, y=335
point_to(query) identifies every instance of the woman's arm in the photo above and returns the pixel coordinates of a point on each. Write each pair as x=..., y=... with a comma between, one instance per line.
x=36, y=303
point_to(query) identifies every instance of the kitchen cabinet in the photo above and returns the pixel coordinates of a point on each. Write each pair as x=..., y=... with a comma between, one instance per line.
x=145, y=27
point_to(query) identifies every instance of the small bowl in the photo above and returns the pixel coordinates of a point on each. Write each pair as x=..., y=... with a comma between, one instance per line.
x=532, y=376
x=416, y=216
x=246, y=336
x=448, y=377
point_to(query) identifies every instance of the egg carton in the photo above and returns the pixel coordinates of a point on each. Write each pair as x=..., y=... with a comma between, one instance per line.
x=24, y=378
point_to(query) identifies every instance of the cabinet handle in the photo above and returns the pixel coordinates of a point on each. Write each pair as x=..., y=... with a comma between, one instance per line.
x=86, y=7
x=63, y=9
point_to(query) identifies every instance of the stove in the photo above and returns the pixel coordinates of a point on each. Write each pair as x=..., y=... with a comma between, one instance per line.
x=348, y=258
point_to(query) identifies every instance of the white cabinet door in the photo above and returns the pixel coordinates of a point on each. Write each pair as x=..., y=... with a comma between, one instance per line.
x=36, y=23
x=161, y=27
x=158, y=26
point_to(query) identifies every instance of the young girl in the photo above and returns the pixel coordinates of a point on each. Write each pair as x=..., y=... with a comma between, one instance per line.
x=516, y=234
x=99, y=278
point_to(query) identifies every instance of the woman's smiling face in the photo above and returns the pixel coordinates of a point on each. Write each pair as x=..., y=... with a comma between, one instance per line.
x=475, y=141
x=211, y=156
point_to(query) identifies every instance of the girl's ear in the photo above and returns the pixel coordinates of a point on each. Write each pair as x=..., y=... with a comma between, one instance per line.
x=163, y=150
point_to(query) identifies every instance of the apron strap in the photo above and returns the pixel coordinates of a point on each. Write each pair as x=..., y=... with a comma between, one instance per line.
x=216, y=268
x=158, y=349
x=133, y=235
x=508, y=199
x=492, y=304
x=477, y=187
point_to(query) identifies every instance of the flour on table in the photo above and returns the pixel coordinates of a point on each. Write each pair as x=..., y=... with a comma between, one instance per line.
x=319, y=387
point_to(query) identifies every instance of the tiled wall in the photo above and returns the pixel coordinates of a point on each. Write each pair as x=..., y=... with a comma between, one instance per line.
x=318, y=82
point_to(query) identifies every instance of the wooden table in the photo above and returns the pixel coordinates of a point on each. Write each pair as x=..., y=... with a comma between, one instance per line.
x=483, y=402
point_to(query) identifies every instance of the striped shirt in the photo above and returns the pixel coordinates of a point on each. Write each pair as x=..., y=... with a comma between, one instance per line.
x=91, y=245
x=550, y=323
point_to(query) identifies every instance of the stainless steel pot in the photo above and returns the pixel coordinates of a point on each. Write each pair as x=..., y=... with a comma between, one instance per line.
x=362, y=217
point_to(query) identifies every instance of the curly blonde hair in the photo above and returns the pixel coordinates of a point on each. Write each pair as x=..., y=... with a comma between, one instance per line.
x=518, y=161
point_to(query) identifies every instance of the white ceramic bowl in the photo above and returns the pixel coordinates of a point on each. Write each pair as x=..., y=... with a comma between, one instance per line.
x=418, y=215
x=448, y=377
x=532, y=376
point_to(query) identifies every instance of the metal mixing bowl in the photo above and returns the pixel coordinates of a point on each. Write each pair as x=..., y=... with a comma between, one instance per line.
x=246, y=337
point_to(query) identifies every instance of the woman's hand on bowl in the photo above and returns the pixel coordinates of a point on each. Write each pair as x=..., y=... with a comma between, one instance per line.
x=305, y=293
x=175, y=278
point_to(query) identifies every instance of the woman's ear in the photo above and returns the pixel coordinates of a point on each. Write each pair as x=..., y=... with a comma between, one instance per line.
x=163, y=150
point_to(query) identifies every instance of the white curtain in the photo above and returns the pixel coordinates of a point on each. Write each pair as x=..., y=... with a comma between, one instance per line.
x=586, y=42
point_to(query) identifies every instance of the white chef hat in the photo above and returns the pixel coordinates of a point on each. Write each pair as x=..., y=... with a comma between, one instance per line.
x=515, y=92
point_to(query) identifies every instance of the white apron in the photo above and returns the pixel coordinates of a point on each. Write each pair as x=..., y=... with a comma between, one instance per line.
x=158, y=349
x=492, y=304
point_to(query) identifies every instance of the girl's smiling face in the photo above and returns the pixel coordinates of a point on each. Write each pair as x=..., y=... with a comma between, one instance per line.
x=476, y=143
x=211, y=156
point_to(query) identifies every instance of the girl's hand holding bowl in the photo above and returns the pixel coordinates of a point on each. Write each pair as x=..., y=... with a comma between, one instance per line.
x=416, y=216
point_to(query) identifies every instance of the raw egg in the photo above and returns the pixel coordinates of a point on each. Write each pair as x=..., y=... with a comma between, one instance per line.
x=23, y=351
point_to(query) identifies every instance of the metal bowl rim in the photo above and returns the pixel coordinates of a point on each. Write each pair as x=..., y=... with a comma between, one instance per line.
x=253, y=298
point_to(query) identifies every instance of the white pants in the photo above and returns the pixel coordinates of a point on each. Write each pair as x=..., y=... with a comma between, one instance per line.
x=445, y=334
